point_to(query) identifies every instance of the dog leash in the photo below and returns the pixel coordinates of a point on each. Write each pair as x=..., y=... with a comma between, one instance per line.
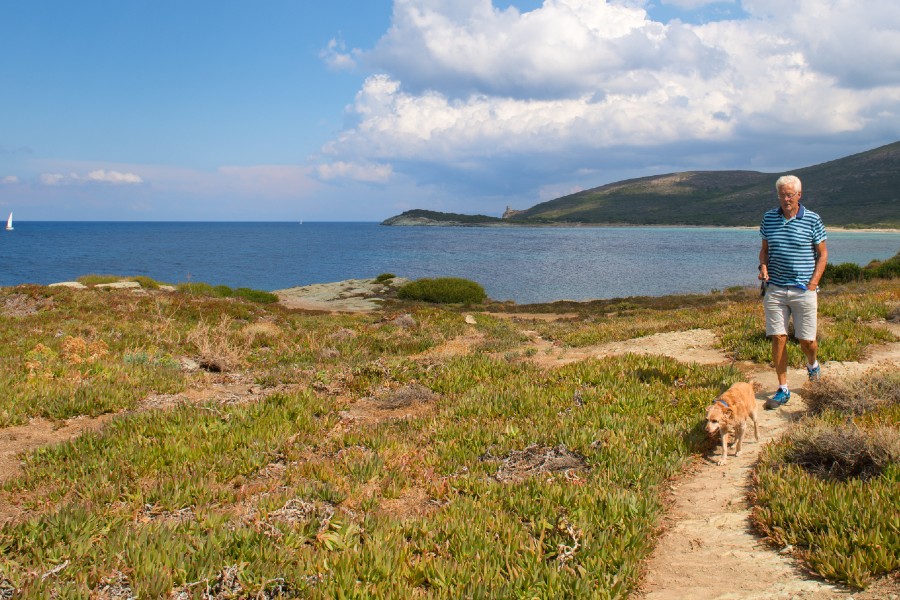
x=722, y=402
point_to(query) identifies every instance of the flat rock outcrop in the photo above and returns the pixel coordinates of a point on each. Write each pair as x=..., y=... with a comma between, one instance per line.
x=351, y=295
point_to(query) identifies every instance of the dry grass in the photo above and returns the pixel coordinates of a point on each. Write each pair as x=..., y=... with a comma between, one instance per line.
x=218, y=351
x=845, y=451
x=856, y=397
x=533, y=460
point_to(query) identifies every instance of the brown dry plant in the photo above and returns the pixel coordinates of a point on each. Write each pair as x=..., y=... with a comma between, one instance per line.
x=857, y=396
x=845, y=451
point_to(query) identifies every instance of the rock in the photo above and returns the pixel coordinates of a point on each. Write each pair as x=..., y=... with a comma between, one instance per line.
x=75, y=285
x=404, y=321
x=353, y=295
x=119, y=285
x=471, y=320
x=188, y=364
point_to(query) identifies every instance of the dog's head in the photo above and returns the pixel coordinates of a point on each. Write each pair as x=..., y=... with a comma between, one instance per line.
x=718, y=416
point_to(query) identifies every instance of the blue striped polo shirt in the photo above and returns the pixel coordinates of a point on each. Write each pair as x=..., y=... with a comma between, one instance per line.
x=792, y=242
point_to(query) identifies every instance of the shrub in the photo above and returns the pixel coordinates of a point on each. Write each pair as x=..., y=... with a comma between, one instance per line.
x=256, y=295
x=197, y=289
x=223, y=291
x=888, y=269
x=855, y=397
x=845, y=451
x=443, y=290
x=851, y=272
x=385, y=277
x=146, y=282
x=842, y=273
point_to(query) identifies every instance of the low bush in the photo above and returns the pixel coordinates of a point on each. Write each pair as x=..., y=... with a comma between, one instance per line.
x=888, y=269
x=851, y=272
x=197, y=289
x=842, y=273
x=385, y=277
x=843, y=452
x=223, y=291
x=256, y=295
x=443, y=290
x=854, y=397
x=146, y=282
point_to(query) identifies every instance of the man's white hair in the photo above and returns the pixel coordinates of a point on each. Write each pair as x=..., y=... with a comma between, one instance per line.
x=788, y=180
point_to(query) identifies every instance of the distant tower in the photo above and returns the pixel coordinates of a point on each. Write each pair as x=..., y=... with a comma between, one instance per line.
x=509, y=212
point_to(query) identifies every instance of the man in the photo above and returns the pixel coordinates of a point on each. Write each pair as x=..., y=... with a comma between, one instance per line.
x=791, y=262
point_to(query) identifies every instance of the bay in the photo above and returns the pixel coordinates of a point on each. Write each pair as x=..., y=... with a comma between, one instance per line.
x=521, y=264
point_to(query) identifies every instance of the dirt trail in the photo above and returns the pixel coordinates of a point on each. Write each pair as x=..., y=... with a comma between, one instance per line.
x=709, y=550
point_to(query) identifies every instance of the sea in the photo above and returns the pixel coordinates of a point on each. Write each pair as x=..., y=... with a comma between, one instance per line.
x=522, y=264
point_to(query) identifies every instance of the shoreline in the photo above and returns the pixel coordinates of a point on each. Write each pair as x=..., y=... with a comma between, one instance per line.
x=836, y=228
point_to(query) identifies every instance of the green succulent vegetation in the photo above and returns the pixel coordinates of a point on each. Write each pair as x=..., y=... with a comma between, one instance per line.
x=385, y=277
x=352, y=456
x=831, y=488
x=443, y=290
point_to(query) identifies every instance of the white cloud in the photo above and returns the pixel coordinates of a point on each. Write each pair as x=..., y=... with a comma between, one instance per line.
x=100, y=176
x=464, y=86
x=53, y=179
x=694, y=4
x=565, y=48
x=336, y=56
x=9, y=180
x=368, y=173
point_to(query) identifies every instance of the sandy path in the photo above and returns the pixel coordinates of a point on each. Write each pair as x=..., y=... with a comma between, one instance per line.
x=709, y=550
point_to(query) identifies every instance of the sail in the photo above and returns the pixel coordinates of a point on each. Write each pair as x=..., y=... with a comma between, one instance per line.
x=9, y=223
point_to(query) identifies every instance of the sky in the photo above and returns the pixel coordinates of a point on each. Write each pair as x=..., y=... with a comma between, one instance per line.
x=357, y=110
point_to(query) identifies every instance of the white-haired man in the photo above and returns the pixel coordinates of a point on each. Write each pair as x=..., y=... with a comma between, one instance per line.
x=791, y=262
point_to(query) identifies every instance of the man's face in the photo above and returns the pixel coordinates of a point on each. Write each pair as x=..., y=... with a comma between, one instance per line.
x=788, y=197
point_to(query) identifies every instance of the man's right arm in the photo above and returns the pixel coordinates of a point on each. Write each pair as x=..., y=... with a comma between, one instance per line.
x=764, y=260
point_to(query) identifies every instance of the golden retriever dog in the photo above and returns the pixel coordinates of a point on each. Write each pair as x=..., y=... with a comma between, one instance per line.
x=728, y=414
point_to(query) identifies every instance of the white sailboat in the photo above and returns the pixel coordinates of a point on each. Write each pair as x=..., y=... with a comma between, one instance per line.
x=9, y=226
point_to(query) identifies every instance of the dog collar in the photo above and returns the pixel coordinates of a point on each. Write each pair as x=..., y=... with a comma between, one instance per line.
x=722, y=402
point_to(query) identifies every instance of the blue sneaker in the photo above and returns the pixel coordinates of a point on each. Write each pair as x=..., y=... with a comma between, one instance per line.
x=814, y=373
x=780, y=398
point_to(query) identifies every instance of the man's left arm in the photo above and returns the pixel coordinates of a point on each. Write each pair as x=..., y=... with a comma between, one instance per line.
x=821, y=261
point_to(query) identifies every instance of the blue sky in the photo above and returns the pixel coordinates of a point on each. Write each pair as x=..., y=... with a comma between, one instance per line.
x=357, y=110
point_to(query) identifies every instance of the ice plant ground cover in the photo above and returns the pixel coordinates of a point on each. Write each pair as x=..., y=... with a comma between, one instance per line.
x=409, y=452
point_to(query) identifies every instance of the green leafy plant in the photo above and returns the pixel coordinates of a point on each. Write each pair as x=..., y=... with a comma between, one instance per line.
x=443, y=290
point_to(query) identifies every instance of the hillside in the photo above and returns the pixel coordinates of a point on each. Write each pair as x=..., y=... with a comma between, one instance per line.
x=430, y=217
x=862, y=190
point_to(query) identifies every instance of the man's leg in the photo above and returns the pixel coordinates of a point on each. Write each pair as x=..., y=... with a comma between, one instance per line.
x=805, y=310
x=780, y=357
x=777, y=313
x=810, y=349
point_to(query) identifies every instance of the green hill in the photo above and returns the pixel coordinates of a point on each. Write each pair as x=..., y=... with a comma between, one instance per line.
x=862, y=190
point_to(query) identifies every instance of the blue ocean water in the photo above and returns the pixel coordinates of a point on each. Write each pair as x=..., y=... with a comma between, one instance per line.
x=520, y=264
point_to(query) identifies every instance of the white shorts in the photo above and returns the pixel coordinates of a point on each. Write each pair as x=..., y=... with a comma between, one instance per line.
x=780, y=303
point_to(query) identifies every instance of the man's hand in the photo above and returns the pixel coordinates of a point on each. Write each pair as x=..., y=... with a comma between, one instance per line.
x=764, y=272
